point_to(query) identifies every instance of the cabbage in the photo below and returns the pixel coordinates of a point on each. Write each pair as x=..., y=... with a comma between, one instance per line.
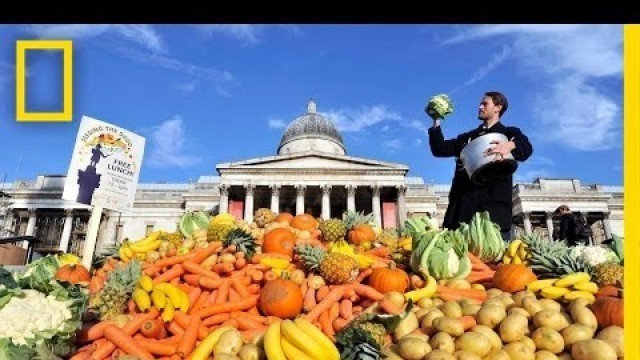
x=439, y=106
x=443, y=257
x=193, y=221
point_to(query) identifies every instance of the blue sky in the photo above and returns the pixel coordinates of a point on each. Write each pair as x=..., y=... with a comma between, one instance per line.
x=207, y=94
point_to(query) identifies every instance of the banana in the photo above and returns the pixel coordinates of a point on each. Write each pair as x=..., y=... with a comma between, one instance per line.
x=293, y=352
x=580, y=294
x=553, y=292
x=513, y=247
x=184, y=304
x=272, y=343
x=145, y=248
x=522, y=252
x=168, y=313
x=123, y=254
x=146, y=283
x=540, y=284
x=571, y=279
x=319, y=337
x=205, y=348
x=173, y=293
x=158, y=298
x=301, y=340
x=589, y=287
x=141, y=298
x=275, y=263
x=506, y=259
x=364, y=261
x=516, y=260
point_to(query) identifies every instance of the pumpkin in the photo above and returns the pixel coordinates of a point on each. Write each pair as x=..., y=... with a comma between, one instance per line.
x=513, y=277
x=74, y=274
x=609, y=311
x=389, y=279
x=304, y=222
x=284, y=217
x=281, y=298
x=279, y=240
x=609, y=291
x=361, y=233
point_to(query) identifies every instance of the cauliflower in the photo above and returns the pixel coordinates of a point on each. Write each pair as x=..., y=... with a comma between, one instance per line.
x=594, y=255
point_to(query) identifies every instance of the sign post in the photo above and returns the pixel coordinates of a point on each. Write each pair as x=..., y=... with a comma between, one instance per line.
x=103, y=173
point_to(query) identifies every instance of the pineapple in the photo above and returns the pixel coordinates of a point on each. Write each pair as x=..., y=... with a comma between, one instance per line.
x=243, y=241
x=111, y=300
x=388, y=238
x=361, y=340
x=333, y=230
x=335, y=268
x=351, y=219
x=552, y=259
x=219, y=231
x=264, y=216
x=609, y=274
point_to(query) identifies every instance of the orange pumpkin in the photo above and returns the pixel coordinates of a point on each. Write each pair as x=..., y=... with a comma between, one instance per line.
x=389, y=279
x=609, y=291
x=73, y=273
x=279, y=240
x=284, y=217
x=304, y=222
x=513, y=277
x=609, y=311
x=361, y=233
x=281, y=298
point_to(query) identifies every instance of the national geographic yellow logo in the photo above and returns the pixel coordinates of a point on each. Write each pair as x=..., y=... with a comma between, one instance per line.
x=67, y=49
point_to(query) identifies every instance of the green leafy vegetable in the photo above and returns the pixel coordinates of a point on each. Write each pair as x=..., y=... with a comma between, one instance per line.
x=439, y=106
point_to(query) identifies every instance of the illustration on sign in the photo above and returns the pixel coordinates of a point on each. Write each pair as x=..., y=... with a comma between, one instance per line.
x=105, y=166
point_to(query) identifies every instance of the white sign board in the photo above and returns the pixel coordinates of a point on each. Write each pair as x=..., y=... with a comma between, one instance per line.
x=105, y=166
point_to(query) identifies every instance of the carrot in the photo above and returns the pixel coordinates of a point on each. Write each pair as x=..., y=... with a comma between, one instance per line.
x=363, y=275
x=477, y=264
x=191, y=279
x=175, y=329
x=188, y=342
x=93, y=332
x=81, y=355
x=256, y=275
x=202, y=254
x=468, y=321
x=184, y=320
x=223, y=292
x=209, y=282
x=326, y=324
x=309, y=299
x=243, y=304
x=173, y=273
x=334, y=311
x=368, y=292
x=194, y=268
x=447, y=294
x=247, y=323
x=382, y=251
x=253, y=288
x=322, y=292
x=476, y=277
x=156, y=347
x=215, y=319
x=223, y=268
x=193, y=295
x=240, y=287
x=171, y=340
x=106, y=348
x=331, y=298
x=152, y=329
x=173, y=260
x=240, y=263
x=346, y=309
x=339, y=324
x=125, y=342
x=270, y=275
x=196, y=306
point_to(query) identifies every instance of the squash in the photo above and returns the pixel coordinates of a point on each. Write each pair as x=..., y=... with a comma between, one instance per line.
x=281, y=298
x=361, y=233
x=74, y=274
x=609, y=311
x=284, y=217
x=389, y=279
x=513, y=277
x=304, y=222
x=279, y=240
x=609, y=291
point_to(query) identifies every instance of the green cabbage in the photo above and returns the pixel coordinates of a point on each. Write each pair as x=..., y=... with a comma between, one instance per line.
x=192, y=221
x=439, y=106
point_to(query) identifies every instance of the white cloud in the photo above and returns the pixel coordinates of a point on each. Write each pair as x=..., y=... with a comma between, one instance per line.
x=394, y=143
x=486, y=69
x=568, y=60
x=167, y=142
x=143, y=35
x=187, y=87
x=246, y=33
x=385, y=128
x=277, y=123
x=353, y=120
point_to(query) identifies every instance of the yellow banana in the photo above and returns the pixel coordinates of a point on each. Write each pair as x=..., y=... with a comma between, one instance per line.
x=142, y=256
x=516, y=260
x=364, y=261
x=173, y=293
x=513, y=247
x=168, y=313
x=540, y=284
x=159, y=298
x=204, y=349
x=141, y=298
x=293, y=352
x=146, y=283
x=522, y=252
x=272, y=343
x=301, y=340
x=588, y=286
x=123, y=254
x=506, y=259
x=580, y=294
x=318, y=336
x=184, y=304
x=275, y=263
x=571, y=279
x=553, y=292
x=427, y=291
x=144, y=248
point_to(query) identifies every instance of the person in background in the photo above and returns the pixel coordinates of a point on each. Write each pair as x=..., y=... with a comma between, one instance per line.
x=573, y=228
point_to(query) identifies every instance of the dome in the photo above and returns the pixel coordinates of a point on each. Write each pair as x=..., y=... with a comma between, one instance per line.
x=311, y=132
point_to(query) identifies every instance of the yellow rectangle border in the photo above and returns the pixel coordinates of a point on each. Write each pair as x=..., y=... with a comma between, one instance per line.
x=631, y=189
x=67, y=50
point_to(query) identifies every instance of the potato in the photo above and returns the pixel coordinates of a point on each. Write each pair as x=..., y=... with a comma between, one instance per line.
x=548, y=339
x=407, y=325
x=521, y=295
x=518, y=350
x=223, y=356
x=491, y=293
x=440, y=355
x=497, y=354
x=494, y=339
x=576, y=332
x=425, y=302
x=583, y=315
x=443, y=341
x=474, y=342
x=251, y=352
x=495, y=302
x=528, y=343
x=532, y=305
x=579, y=302
x=421, y=313
x=427, y=320
x=564, y=356
x=490, y=315
x=545, y=355
x=551, y=319
x=513, y=328
x=411, y=348
x=230, y=342
x=519, y=310
x=449, y=325
x=390, y=353
x=418, y=334
x=470, y=309
x=549, y=304
x=614, y=336
x=395, y=298
x=459, y=284
x=593, y=349
x=451, y=309
x=507, y=300
x=464, y=355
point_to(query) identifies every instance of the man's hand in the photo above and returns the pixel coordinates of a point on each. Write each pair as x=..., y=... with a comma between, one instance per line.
x=500, y=149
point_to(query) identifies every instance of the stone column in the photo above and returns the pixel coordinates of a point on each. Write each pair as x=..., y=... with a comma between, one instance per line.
x=402, y=209
x=527, y=223
x=66, y=230
x=351, y=197
x=549, y=218
x=31, y=225
x=300, y=199
x=606, y=223
x=375, y=205
x=8, y=221
x=248, y=203
x=326, y=202
x=223, y=207
x=275, y=198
